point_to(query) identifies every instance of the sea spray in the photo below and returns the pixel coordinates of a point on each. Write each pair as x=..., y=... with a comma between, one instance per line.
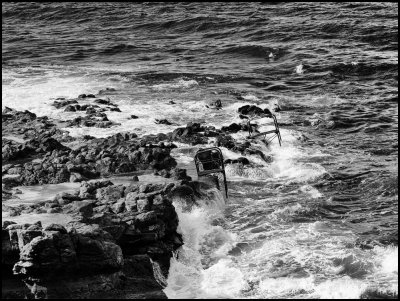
x=201, y=267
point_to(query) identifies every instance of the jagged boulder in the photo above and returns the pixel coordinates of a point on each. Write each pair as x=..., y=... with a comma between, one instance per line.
x=251, y=110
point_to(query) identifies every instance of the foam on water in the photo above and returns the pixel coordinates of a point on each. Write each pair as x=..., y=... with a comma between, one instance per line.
x=285, y=287
x=33, y=88
x=342, y=288
x=285, y=162
x=250, y=97
x=181, y=84
x=201, y=268
x=306, y=261
x=388, y=259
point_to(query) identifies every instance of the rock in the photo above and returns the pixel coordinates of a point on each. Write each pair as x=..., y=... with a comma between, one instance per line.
x=97, y=240
x=98, y=255
x=85, y=207
x=146, y=218
x=252, y=110
x=241, y=160
x=110, y=194
x=131, y=205
x=179, y=174
x=56, y=227
x=143, y=205
x=232, y=128
x=225, y=141
x=88, y=189
x=86, y=96
x=5, y=224
x=70, y=108
x=119, y=206
x=214, y=104
x=163, y=121
x=76, y=177
x=277, y=108
x=182, y=193
x=25, y=236
x=60, y=104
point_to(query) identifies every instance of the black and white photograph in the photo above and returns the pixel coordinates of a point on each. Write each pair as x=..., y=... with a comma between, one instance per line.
x=200, y=150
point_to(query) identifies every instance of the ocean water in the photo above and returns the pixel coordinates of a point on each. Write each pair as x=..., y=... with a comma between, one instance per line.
x=320, y=220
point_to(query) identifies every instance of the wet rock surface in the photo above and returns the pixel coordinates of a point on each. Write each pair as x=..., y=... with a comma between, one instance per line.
x=118, y=233
x=252, y=110
x=43, y=156
x=43, y=159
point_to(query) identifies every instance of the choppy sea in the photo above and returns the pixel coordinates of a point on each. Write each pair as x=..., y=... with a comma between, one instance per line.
x=320, y=220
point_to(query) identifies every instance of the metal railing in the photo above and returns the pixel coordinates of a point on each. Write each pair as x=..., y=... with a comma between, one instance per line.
x=276, y=131
x=210, y=161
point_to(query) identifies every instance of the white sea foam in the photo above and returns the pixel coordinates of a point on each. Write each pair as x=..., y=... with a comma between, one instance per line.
x=299, y=69
x=181, y=84
x=273, y=287
x=223, y=280
x=389, y=259
x=33, y=91
x=312, y=191
x=250, y=97
x=202, y=268
x=341, y=288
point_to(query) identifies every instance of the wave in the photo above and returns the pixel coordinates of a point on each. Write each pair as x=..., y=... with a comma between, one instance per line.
x=248, y=50
x=116, y=49
x=189, y=25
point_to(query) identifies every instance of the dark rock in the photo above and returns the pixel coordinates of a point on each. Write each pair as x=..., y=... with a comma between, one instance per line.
x=277, y=108
x=144, y=205
x=214, y=104
x=252, y=110
x=104, y=102
x=226, y=141
x=97, y=240
x=241, y=160
x=70, y=108
x=232, y=128
x=146, y=218
x=115, y=109
x=179, y=174
x=86, y=96
x=56, y=227
x=60, y=104
x=163, y=121
x=182, y=192
x=85, y=207
x=110, y=194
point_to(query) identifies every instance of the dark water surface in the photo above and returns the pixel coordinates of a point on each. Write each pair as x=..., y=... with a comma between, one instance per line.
x=321, y=220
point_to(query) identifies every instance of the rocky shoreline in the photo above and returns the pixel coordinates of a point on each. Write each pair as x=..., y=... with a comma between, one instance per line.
x=119, y=239
x=117, y=236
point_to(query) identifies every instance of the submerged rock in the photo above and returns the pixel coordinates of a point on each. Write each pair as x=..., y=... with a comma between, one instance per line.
x=214, y=104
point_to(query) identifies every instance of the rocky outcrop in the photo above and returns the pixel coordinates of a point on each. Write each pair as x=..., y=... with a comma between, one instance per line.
x=96, y=119
x=25, y=125
x=252, y=110
x=118, y=235
x=46, y=160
